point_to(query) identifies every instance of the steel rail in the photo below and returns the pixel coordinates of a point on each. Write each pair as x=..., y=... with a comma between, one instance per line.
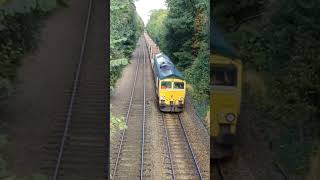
x=282, y=171
x=169, y=149
x=127, y=117
x=74, y=90
x=173, y=174
x=190, y=148
x=166, y=132
x=218, y=167
x=144, y=112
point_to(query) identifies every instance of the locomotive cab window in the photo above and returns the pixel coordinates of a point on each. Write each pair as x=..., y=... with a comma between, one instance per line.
x=178, y=85
x=165, y=85
x=223, y=75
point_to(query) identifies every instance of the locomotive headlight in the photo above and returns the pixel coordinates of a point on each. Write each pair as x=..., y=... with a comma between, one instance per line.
x=230, y=117
x=162, y=97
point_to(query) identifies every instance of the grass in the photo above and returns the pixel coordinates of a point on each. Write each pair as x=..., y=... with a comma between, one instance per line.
x=116, y=124
x=201, y=106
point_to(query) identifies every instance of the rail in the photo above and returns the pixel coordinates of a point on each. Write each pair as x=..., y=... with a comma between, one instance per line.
x=170, y=153
x=169, y=149
x=127, y=117
x=74, y=90
x=282, y=171
x=190, y=148
x=144, y=114
x=219, y=170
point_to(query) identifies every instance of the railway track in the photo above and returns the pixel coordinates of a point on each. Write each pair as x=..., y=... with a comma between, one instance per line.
x=77, y=147
x=131, y=157
x=183, y=162
x=217, y=173
x=180, y=160
x=129, y=160
x=282, y=171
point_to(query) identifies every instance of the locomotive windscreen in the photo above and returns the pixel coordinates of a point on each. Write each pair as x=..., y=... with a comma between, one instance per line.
x=166, y=67
x=223, y=75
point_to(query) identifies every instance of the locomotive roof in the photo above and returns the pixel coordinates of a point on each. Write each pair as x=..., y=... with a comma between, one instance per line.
x=165, y=68
x=219, y=45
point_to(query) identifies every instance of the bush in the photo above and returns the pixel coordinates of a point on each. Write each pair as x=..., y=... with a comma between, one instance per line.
x=116, y=124
x=5, y=88
x=125, y=29
x=282, y=45
x=19, y=24
x=181, y=32
x=3, y=168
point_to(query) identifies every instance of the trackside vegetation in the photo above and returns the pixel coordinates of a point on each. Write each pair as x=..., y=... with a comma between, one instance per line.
x=279, y=45
x=181, y=32
x=20, y=22
x=125, y=29
x=126, y=26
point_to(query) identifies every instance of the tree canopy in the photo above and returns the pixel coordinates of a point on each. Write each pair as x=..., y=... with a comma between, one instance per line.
x=156, y=25
x=181, y=32
x=19, y=23
x=126, y=27
x=280, y=41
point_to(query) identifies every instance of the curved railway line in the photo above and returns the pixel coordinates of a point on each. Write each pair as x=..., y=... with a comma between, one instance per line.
x=77, y=147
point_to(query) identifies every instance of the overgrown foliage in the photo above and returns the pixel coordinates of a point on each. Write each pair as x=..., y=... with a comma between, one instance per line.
x=116, y=124
x=280, y=40
x=19, y=23
x=182, y=33
x=125, y=28
x=156, y=26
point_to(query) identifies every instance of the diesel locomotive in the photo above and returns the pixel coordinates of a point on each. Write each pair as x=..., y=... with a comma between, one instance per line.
x=225, y=93
x=169, y=84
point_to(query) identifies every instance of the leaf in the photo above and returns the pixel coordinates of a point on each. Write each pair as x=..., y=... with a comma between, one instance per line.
x=47, y=5
x=118, y=62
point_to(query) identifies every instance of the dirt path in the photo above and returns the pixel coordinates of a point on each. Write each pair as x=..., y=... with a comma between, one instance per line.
x=44, y=81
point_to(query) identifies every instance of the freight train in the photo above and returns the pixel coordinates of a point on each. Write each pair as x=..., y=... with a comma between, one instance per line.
x=170, y=84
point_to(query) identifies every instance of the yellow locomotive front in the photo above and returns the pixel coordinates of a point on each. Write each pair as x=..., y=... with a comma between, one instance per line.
x=225, y=94
x=171, y=94
x=226, y=80
x=170, y=84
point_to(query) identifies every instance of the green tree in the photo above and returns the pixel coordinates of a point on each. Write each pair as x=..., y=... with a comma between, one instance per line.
x=280, y=39
x=19, y=23
x=125, y=29
x=156, y=27
x=181, y=32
